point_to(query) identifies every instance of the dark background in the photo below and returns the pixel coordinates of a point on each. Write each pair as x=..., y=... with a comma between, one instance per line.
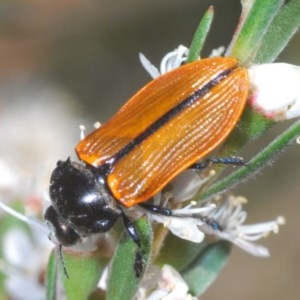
x=89, y=50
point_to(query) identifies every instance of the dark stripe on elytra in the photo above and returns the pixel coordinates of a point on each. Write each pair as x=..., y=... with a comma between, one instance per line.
x=169, y=115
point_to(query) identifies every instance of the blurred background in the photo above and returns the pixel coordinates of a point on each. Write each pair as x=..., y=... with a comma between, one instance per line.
x=64, y=63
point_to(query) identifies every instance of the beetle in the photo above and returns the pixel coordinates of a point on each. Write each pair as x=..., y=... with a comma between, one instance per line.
x=165, y=128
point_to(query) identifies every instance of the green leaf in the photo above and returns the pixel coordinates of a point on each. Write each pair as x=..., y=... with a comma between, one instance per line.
x=283, y=27
x=253, y=27
x=74, y=285
x=84, y=271
x=51, y=277
x=200, y=35
x=123, y=282
x=206, y=267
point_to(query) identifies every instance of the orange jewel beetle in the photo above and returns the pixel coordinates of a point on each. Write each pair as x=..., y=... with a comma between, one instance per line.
x=166, y=127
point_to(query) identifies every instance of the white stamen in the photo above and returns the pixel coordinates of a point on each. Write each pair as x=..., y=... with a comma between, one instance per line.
x=217, y=52
x=34, y=223
x=170, y=61
x=82, y=133
x=97, y=125
x=150, y=68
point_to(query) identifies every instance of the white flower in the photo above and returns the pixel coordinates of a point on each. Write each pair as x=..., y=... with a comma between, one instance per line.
x=158, y=283
x=183, y=223
x=165, y=283
x=170, y=61
x=276, y=90
x=226, y=222
x=25, y=262
x=8, y=180
x=33, y=119
x=25, y=257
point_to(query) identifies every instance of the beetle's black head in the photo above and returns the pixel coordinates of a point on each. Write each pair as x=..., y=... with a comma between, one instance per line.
x=81, y=203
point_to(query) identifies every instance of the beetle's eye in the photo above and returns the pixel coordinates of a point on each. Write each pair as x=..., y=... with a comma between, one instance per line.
x=60, y=229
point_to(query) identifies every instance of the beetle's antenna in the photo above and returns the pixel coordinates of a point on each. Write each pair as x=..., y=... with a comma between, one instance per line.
x=232, y=160
x=62, y=261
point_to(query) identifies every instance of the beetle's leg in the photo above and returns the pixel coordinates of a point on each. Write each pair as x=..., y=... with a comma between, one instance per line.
x=157, y=209
x=233, y=160
x=131, y=230
x=169, y=213
x=139, y=265
x=134, y=235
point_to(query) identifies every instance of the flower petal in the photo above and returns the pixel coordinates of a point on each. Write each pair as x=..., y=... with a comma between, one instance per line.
x=150, y=68
x=185, y=228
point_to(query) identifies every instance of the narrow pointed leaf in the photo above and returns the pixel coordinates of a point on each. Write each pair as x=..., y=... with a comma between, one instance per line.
x=123, y=282
x=51, y=277
x=200, y=35
x=283, y=27
x=206, y=267
x=248, y=38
